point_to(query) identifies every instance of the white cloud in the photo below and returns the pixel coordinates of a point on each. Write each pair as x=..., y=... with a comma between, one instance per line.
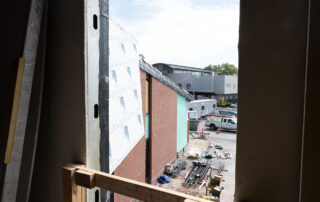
x=180, y=32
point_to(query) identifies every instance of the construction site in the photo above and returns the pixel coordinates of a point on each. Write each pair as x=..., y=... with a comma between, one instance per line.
x=85, y=117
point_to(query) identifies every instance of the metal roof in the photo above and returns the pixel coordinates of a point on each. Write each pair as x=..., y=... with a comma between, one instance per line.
x=180, y=67
x=165, y=80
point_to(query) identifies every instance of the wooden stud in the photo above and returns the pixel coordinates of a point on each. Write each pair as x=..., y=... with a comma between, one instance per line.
x=15, y=111
x=71, y=192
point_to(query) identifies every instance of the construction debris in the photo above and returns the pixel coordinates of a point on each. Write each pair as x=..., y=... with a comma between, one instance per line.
x=218, y=146
x=193, y=154
x=198, y=172
x=210, y=153
x=168, y=169
x=180, y=165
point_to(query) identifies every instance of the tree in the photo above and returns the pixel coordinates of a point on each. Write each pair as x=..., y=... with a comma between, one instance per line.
x=222, y=69
x=142, y=56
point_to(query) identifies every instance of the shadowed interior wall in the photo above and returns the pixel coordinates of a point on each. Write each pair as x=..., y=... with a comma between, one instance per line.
x=62, y=133
x=12, y=44
x=272, y=59
x=310, y=184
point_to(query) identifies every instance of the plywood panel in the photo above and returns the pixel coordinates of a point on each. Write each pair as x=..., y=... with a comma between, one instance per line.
x=147, y=98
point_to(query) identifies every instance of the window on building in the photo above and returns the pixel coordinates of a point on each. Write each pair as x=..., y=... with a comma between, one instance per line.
x=214, y=105
x=188, y=86
x=202, y=108
x=190, y=109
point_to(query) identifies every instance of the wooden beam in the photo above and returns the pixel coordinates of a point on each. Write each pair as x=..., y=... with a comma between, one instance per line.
x=130, y=188
x=71, y=192
x=14, y=112
x=85, y=179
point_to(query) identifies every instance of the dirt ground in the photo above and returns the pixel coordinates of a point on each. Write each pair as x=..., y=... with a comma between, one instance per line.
x=228, y=141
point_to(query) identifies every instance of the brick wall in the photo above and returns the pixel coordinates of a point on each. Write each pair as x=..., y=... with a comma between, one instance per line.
x=133, y=167
x=163, y=135
x=163, y=127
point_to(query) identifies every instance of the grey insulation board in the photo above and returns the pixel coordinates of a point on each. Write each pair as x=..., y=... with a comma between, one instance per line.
x=33, y=120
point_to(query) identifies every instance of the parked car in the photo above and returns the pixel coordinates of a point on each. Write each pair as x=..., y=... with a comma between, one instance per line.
x=226, y=112
x=223, y=122
x=234, y=105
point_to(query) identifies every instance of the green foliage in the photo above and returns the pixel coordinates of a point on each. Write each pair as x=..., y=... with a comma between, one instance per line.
x=222, y=103
x=222, y=69
x=142, y=56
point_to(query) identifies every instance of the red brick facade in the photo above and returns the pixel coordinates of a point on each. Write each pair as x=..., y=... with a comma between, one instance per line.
x=133, y=167
x=163, y=125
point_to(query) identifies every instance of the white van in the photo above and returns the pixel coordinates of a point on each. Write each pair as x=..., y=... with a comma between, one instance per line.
x=203, y=107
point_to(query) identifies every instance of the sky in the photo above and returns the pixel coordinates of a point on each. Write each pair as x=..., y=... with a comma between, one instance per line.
x=183, y=32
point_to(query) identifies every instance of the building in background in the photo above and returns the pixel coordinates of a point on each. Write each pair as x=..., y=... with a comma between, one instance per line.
x=196, y=81
x=226, y=87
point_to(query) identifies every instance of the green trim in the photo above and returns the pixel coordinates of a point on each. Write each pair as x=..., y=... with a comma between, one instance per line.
x=181, y=123
x=147, y=126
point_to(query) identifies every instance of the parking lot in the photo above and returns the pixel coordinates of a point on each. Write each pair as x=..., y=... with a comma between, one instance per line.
x=228, y=141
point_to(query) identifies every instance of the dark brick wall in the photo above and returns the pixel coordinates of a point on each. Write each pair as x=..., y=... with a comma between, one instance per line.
x=163, y=127
x=132, y=167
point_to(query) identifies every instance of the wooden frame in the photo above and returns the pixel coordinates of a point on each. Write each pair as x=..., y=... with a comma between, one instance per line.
x=14, y=112
x=76, y=177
